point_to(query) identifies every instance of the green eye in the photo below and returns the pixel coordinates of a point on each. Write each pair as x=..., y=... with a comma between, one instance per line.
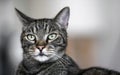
x=30, y=37
x=52, y=36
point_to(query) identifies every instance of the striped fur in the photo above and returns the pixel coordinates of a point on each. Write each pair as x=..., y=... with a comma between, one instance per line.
x=44, y=43
x=42, y=28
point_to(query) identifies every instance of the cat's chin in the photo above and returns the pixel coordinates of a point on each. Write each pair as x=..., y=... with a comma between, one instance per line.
x=41, y=58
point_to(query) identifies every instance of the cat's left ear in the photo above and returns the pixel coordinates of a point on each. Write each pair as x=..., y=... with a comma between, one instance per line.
x=23, y=18
x=62, y=17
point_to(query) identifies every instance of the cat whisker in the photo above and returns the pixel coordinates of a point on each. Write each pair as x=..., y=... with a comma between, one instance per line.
x=31, y=51
x=51, y=50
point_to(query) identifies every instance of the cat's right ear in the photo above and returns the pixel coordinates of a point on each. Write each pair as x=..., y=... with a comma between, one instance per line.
x=62, y=17
x=23, y=18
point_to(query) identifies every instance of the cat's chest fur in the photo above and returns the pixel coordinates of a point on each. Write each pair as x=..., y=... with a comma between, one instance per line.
x=54, y=69
x=59, y=67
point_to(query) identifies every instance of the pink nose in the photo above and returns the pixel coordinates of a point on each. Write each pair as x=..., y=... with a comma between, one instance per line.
x=40, y=47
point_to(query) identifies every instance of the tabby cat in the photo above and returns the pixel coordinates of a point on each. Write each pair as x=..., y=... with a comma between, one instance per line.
x=44, y=44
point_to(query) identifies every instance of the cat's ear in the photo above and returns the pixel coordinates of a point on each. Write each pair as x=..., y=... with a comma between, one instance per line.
x=23, y=18
x=62, y=17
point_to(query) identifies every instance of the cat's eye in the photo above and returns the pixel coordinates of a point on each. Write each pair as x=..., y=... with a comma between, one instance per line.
x=30, y=37
x=52, y=36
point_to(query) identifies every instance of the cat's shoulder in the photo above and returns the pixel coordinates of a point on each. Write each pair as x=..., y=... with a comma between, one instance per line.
x=98, y=71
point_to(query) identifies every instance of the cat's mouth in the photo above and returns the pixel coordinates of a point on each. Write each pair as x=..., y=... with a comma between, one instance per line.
x=42, y=54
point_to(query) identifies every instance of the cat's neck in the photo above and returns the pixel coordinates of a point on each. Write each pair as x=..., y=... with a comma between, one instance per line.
x=32, y=66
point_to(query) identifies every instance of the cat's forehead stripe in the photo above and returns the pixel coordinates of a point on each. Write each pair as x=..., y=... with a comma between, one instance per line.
x=35, y=29
x=43, y=24
x=37, y=26
x=47, y=27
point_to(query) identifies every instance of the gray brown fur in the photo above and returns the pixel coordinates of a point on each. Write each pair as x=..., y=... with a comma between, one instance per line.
x=58, y=64
x=31, y=67
x=98, y=71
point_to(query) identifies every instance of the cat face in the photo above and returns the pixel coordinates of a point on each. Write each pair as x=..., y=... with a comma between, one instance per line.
x=44, y=39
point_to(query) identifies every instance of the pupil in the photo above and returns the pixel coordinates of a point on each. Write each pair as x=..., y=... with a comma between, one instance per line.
x=52, y=36
x=31, y=37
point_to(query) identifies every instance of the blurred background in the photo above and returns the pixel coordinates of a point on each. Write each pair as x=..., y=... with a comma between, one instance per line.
x=94, y=31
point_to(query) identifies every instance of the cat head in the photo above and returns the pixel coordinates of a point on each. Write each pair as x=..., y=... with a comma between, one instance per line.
x=44, y=39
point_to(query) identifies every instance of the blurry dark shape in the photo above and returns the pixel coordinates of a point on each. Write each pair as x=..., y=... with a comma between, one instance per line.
x=5, y=64
x=6, y=67
x=0, y=56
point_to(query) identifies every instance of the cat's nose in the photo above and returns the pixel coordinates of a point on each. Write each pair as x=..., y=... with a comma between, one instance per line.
x=40, y=47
